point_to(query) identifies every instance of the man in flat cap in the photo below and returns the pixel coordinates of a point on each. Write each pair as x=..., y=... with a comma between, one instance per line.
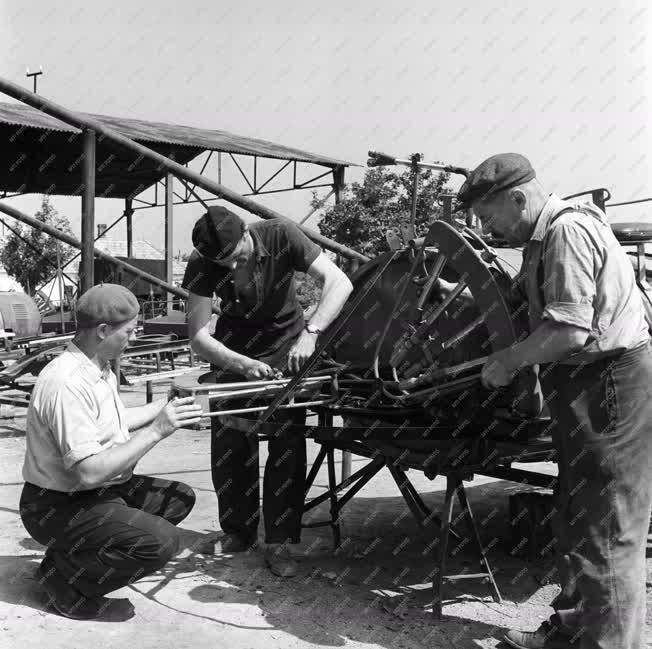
x=261, y=331
x=589, y=336
x=104, y=526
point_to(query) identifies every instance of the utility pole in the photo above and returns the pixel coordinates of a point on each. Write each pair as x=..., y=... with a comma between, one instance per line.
x=35, y=75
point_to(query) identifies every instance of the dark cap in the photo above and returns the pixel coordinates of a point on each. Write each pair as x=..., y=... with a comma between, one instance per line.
x=216, y=234
x=106, y=303
x=495, y=174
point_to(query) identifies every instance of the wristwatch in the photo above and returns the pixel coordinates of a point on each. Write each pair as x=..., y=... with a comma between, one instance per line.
x=311, y=329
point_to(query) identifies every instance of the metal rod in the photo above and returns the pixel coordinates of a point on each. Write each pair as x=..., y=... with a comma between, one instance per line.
x=60, y=282
x=319, y=205
x=453, y=295
x=243, y=411
x=271, y=383
x=434, y=375
x=85, y=122
x=377, y=159
x=640, y=200
x=438, y=266
x=453, y=340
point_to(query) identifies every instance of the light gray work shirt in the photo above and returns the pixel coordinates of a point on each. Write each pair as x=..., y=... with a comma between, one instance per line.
x=576, y=272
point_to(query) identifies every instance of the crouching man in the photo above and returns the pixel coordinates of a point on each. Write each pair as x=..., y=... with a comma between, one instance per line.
x=104, y=526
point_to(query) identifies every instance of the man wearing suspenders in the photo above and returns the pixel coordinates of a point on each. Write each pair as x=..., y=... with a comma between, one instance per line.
x=589, y=337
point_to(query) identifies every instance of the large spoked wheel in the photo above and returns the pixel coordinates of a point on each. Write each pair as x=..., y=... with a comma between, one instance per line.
x=427, y=328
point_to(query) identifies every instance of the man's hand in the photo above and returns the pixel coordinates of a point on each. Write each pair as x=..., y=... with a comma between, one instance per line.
x=178, y=413
x=499, y=370
x=301, y=351
x=255, y=370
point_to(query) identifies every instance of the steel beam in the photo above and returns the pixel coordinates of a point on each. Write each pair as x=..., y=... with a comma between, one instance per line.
x=85, y=122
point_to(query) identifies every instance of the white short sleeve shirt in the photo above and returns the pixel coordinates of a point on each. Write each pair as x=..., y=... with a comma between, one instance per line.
x=75, y=411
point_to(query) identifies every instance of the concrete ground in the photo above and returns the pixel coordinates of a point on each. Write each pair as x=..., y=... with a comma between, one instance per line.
x=372, y=593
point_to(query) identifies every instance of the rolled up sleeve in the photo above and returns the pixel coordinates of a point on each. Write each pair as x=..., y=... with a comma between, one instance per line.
x=73, y=426
x=569, y=286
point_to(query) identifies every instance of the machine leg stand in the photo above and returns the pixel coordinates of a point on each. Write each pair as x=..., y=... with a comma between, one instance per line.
x=335, y=509
x=454, y=485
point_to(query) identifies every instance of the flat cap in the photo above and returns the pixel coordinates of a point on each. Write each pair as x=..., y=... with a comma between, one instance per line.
x=495, y=174
x=106, y=303
x=216, y=234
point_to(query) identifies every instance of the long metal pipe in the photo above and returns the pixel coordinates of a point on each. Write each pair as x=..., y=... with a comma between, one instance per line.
x=85, y=122
x=71, y=241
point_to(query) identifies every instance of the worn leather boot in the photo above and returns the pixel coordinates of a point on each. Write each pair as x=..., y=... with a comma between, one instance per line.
x=547, y=636
x=69, y=602
x=280, y=561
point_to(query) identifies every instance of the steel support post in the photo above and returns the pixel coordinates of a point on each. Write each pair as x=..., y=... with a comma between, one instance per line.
x=338, y=189
x=129, y=213
x=86, y=278
x=338, y=183
x=169, y=224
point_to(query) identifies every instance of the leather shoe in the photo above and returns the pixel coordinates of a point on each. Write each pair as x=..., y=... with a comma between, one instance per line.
x=69, y=602
x=280, y=561
x=547, y=636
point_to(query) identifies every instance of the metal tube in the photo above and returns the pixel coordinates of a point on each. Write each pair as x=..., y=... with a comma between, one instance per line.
x=71, y=241
x=242, y=411
x=169, y=246
x=85, y=122
x=415, y=198
x=272, y=383
x=60, y=283
x=129, y=213
x=86, y=279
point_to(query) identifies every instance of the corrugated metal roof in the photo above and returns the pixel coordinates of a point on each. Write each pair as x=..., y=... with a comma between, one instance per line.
x=162, y=133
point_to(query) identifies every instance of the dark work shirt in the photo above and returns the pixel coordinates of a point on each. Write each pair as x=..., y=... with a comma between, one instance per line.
x=259, y=317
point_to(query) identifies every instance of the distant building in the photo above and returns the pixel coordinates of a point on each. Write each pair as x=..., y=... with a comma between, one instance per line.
x=141, y=250
x=116, y=248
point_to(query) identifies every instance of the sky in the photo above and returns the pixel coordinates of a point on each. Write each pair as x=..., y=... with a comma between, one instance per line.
x=565, y=83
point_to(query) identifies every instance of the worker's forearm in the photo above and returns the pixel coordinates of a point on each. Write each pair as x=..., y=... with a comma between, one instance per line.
x=548, y=343
x=143, y=415
x=214, y=352
x=333, y=297
x=97, y=469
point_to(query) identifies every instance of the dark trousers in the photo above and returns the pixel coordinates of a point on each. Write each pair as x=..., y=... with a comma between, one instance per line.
x=103, y=539
x=604, y=443
x=235, y=473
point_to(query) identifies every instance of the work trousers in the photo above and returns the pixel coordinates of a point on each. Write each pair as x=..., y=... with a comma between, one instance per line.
x=603, y=438
x=235, y=473
x=103, y=539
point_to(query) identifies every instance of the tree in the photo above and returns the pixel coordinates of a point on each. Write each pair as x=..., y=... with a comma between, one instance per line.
x=382, y=202
x=29, y=255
